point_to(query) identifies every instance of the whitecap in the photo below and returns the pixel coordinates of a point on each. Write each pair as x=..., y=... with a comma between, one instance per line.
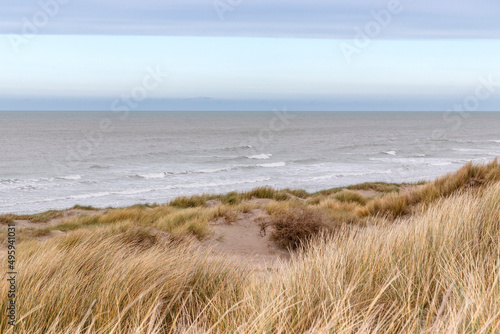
x=443, y=163
x=89, y=195
x=390, y=152
x=272, y=165
x=212, y=170
x=160, y=175
x=263, y=156
x=71, y=177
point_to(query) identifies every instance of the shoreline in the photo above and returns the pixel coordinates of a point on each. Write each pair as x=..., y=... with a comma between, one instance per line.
x=367, y=189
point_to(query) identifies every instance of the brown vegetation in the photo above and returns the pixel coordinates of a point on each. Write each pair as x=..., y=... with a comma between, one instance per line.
x=470, y=176
x=416, y=259
x=297, y=226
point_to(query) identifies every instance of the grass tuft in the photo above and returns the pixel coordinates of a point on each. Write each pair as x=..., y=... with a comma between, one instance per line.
x=350, y=196
x=129, y=270
x=297, y=226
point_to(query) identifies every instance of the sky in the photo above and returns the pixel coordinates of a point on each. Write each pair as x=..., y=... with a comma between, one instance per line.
x=249, y=55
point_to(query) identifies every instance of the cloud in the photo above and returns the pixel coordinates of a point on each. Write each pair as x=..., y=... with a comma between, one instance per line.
x=256, y=18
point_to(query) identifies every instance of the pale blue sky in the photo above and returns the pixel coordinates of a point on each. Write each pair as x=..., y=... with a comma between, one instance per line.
x=262, y=55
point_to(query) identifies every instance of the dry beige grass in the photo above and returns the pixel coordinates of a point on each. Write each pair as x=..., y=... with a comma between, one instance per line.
x=470, y=176
x=434, y=270
x=297, y=226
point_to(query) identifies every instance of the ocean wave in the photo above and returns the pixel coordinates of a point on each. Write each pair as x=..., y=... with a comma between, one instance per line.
x=263, y=156
x=217, y=184
x=200, y=185
x=390, y=152
x=273, y=164
x=442, y=163
x=29, y=187
x=159, y=175
x=337, y=175
x=98, y=167
x=215, y=170
x=26, y=181
x=474, y=151
x=468, y=141
x=133, y=191
x=89, y=195
x=413, y=161
x=305, y=161
x=235, y=148
x=359, y=145
x=70, y=177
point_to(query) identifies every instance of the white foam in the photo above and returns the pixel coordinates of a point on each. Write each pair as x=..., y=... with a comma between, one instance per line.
x=390, y=152
x=212, y=170
x=263, y=156
x=273, y=164
x=215, y=184
x=90, y=195
x=444, y=163
x=234, y=148
x=160, y=175
x=133, y=191
x=71, y=177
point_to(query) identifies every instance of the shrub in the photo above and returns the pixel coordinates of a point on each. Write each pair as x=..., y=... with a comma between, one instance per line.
x=295, y=227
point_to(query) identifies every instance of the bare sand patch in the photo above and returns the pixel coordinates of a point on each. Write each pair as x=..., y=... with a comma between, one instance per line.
x=244, y=241
x=240, y=238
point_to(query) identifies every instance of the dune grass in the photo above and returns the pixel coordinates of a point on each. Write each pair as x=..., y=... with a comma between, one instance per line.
x=297, y=226
x=429, y=265
x=397, y=204
x=36, y=218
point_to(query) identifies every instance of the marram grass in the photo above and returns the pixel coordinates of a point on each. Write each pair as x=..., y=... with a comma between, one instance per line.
x=433, y=269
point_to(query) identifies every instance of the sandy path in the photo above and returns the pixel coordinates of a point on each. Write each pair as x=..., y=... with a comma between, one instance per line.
x=243, y=241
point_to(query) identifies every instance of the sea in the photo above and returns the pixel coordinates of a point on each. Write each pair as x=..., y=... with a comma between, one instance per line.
x=55, y=160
